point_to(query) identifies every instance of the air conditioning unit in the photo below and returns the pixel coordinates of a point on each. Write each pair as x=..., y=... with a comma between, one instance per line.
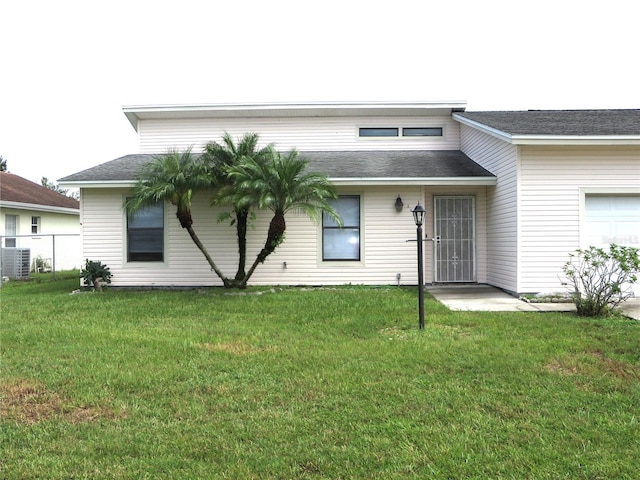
x=16, y=262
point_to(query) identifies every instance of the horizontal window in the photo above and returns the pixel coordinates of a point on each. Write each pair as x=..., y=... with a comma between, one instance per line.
x=378, y=132
x=422, y=132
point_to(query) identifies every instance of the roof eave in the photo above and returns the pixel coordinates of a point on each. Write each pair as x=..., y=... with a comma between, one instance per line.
x=575, y=139
x=418, y=181
x=136, y=112
x=98, y=184
x=39, y=208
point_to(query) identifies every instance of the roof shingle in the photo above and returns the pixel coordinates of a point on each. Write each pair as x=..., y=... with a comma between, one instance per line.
x=20, y=190
x=406, y=164
x=560, y=122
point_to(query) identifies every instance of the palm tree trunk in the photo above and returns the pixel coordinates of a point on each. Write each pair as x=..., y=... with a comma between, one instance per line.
x=242, y=217
x=202, y=248
x=275, y=236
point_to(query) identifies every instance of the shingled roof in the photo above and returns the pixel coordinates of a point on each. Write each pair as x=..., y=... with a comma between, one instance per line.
x=560, y=122
x=16, y=189
x=344, y=165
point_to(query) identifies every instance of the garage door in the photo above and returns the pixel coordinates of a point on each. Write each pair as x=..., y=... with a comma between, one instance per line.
x=613, y=219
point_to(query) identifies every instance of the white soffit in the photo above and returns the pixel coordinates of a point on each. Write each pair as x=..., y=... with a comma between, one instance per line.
x=306, y=109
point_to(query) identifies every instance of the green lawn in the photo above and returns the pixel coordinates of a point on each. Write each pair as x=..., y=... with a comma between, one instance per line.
x=309, y=384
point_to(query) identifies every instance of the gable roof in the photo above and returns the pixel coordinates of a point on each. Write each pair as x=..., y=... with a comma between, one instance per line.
x=558, y=126
x=19, y=192
x=342, y=167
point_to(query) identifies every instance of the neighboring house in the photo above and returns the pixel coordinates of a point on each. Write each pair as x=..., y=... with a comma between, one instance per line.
x=508, y=195
x=38, y=219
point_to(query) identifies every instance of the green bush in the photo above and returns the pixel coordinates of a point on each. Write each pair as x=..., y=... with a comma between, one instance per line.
x=599, y=280
x=95, y=274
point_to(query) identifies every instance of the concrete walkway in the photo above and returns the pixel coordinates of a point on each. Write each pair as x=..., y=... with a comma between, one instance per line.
x=491, y=299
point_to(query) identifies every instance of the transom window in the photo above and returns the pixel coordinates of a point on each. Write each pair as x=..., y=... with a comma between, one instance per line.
x=400, y=131
x=422, y=132
x=145, y=234
x=342, y=243
x=379, y=132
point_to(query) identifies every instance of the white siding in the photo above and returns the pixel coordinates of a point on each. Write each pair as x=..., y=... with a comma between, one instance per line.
x=385, y=253
x=500, y=158
x=304, y=134
x=67, y=240
x=553, y=184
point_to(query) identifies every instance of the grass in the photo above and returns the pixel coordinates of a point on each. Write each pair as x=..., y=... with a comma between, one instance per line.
x=315, y=384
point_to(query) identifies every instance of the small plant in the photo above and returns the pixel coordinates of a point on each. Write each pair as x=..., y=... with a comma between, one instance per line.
x=599, y=281
x=41, y=265
x=95, y=274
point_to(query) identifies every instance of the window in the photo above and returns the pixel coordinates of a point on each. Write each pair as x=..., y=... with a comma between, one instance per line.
x=145, y=234
x=395, y=131
x=10, y=228
x=378, y=132
x=342, y=243
x=422, y=132
x=35, y=225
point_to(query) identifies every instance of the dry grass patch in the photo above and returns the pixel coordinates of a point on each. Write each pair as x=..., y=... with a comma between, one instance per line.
x=594, y=362
x=27, y=401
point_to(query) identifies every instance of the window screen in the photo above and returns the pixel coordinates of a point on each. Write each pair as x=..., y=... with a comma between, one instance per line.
x=342, y=243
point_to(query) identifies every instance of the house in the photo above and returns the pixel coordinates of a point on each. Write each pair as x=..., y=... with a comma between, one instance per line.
x=40, y=220
x=508, y=195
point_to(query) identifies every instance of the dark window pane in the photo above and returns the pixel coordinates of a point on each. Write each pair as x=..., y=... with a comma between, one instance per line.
x=145, y=235
x=378, y=132
x=422, y=132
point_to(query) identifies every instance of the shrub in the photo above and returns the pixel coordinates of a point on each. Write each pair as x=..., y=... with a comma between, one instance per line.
x=96, y=274
x=599, y=280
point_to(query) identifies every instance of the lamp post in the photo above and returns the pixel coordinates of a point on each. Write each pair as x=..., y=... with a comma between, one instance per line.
x=418, y=217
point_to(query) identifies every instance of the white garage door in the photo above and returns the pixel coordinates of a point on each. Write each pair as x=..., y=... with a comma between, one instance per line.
x=613, y=219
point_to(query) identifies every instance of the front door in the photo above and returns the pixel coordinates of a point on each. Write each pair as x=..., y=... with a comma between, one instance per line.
x=454, y=238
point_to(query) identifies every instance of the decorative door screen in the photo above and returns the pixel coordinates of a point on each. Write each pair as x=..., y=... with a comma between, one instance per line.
x=455, y=245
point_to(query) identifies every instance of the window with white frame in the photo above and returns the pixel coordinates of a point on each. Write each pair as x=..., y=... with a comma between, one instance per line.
x=376, y=132
x=145, y=234
x=342, y=243
x=10, y=229
x=35, y=225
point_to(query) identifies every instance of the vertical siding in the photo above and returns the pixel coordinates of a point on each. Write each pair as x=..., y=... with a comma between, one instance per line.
x=552, y=179
x=385, y=253
x=302, y=133
x=500, y=158
x=102, y=226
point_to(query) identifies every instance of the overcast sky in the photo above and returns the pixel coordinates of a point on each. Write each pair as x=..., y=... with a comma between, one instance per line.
x=67, y=67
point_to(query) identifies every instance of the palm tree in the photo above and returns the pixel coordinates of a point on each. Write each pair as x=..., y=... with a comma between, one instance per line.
x=279, y=183
x=221, y=156
x=174, y=177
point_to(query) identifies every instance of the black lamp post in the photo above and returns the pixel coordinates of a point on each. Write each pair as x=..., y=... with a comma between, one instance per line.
x=418, y=217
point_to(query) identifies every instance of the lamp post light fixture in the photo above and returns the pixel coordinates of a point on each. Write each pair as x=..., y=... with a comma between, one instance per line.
x=418, y=217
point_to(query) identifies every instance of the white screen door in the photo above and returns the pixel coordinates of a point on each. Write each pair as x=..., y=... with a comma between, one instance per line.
x=455, y=245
